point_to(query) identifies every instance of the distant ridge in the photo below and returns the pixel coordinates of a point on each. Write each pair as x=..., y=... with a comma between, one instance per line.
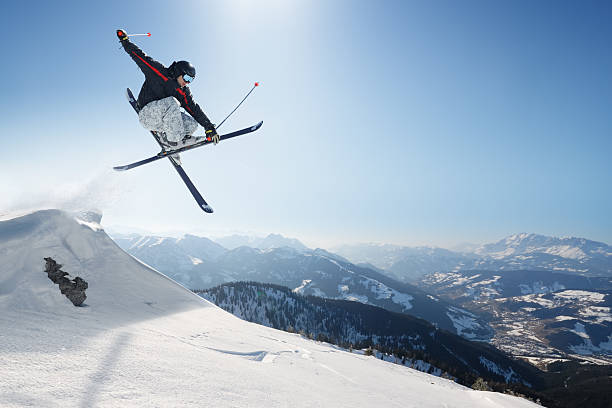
x=515, y=252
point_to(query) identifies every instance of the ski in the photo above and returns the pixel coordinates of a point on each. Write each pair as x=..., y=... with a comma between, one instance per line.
x=192, y=189
x=167, y=153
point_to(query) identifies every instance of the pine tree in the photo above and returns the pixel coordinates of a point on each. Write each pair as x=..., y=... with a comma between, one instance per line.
x=481, y=385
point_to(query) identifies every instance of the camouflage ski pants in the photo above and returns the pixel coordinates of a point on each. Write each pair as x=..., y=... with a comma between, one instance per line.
x=165, y=115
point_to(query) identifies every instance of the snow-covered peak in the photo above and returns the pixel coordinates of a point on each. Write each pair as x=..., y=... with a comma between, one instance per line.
x=524, y=243
x=83, y=251
x=268, y=242
x=282, y=252
x=278, y=241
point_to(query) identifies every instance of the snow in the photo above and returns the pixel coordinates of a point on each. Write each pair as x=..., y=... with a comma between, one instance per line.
x=194, y=260
x=382, y=291
x=518, y=329
x=300, y=289
x=580, y=331
x=94, y=226
x=536, y=361
x=489, y=292
x=502, y=254
x=537, y=299
x=563, y=318
x=461, y=280
x=159, y=241
x=141, y=242
x=508, y=374
x=353, y=297
x=566, y=251
x=463, y=321
x=485, y=282
x=344, y=293
x=583, y=295
x=539, y=288
x=143, y=340
x=601, y=251
x=587, y=347
x=600, y=313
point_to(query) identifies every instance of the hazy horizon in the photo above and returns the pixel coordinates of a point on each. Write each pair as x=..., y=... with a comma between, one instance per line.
x=309, y=241
x=318, y=243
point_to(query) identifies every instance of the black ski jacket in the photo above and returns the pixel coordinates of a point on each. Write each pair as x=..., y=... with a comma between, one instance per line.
x=158, y=85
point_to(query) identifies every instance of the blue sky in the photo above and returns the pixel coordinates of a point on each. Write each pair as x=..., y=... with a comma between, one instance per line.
x=408, y=122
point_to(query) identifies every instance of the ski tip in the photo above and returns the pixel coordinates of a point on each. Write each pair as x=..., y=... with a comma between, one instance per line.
x=257, y=126
x=129, y=94
x=207, y=208
x=120, y=168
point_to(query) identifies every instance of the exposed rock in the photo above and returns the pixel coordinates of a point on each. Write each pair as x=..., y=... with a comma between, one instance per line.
x=74, y=289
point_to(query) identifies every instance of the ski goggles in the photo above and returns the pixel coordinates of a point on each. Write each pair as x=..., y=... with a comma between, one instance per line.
x=187, y=78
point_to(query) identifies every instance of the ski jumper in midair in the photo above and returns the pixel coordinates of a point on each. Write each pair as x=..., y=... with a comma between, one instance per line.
x=162, y=95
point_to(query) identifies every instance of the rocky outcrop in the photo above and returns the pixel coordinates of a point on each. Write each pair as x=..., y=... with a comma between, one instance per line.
x=74, y=289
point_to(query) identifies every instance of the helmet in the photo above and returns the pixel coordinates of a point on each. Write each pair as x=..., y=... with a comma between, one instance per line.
x=179, y=68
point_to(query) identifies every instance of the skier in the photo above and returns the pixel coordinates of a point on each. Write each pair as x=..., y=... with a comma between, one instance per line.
x=164, y=91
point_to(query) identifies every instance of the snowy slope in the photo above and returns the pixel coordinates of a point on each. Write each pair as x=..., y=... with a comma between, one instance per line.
x=567, y=247
x=143, y=340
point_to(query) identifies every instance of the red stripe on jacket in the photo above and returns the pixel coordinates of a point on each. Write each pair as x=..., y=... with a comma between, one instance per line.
x=150, y=66
x=184, y=96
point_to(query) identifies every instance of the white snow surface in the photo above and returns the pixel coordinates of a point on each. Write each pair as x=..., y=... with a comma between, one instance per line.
x=587, y=347
x=382, y=291
x=594, y=297
x=509, y=374
x=540, y=288
x=464, y=321
x=142, y=340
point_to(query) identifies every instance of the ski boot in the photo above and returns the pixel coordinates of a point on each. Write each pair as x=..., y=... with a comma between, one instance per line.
x=169, y=145
x=189, y=140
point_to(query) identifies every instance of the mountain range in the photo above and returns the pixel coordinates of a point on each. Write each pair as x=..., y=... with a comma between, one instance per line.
x=141, y=339
x=267, y=242
x=309, y=272
x=523, y=251
x=475, y=303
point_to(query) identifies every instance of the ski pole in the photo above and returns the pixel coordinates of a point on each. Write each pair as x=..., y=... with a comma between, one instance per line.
x=135, y=35
x=247, y=95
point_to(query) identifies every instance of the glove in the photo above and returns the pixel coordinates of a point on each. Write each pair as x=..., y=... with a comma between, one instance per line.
x=212, y=134
x=122, y=35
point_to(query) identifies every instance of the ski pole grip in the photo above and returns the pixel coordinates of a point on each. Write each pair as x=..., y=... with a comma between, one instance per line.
x=122, y=35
